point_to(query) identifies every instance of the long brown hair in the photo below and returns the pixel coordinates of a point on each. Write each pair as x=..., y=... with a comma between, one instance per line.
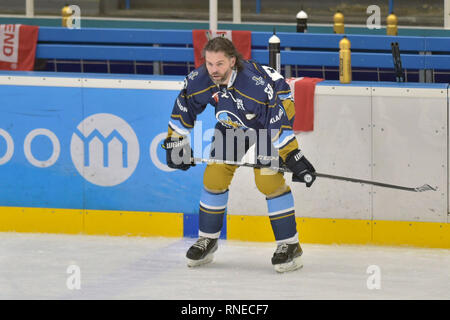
x=222, y=44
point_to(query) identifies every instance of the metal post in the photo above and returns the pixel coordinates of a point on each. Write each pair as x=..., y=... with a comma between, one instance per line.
x=447, y=14
x=302, y=21
x=236, y=11
x=425, y=75
x=156, y=64
x=338, y=20
x=29, y=8
x=274, y=53
x=213, y=15
x=391, y=6
x=392, y=25
x=345, y=61
x=287, y=67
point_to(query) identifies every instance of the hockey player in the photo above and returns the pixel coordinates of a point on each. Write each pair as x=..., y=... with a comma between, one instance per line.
x=248, y=98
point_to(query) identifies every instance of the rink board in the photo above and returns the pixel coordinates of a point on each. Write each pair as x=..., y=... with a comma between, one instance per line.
x=82, y=155
x=246, y=228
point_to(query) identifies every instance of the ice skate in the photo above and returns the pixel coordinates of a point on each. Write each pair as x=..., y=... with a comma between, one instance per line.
x=287, y=257
x=201, y=252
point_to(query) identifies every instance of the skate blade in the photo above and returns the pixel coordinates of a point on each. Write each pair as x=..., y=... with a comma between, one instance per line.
x=195, y=263
x=295, y=264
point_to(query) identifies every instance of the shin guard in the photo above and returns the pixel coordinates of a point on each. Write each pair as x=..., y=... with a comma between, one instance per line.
x=282, y=218
x=211, y=213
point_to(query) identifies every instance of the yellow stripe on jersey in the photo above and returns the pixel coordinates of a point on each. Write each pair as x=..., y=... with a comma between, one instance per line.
x=289, y=107
x=181, y=119
x=242, y=94
x=256, y=67
x=281, y=131
x=276, y=95
x=201, y=91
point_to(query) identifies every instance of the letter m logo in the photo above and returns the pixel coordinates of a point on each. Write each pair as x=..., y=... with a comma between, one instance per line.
x=96, y=136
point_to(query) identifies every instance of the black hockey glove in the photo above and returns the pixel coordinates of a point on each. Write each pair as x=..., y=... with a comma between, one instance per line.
x=178, y=153
x=302, y=169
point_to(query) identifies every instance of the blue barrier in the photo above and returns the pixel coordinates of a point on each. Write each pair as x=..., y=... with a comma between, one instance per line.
x=368, y=51
x=121, y=36
x=437, y=44
x=359, y=59
x=46, y=162
x=259, y=39
x=119, y=53
x=331, y=41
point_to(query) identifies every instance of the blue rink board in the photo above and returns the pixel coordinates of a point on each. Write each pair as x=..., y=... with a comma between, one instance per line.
x=60, y=110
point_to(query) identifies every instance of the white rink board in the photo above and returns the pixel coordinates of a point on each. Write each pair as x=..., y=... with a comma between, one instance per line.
x=410, y=148
x=391, y=135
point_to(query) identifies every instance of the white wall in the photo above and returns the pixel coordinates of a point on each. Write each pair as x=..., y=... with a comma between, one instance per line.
x=386, y=134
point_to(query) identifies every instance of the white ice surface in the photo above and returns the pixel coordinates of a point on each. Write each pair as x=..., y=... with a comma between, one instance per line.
x=34, y=266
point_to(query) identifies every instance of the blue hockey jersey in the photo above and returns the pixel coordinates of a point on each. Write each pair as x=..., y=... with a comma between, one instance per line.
x=257, y=97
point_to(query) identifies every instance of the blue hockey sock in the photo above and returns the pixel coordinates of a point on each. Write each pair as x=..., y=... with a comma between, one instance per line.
x=211, y=213
x=282, y=218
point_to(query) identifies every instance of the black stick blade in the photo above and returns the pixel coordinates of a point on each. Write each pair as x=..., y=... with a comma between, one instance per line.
x=425, y=187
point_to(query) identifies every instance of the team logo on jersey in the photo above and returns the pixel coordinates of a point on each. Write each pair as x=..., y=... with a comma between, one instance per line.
x=229, y=120
x=258, y=80
x=193, y=74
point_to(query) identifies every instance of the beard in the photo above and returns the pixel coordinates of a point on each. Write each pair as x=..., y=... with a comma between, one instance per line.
x=218, y=78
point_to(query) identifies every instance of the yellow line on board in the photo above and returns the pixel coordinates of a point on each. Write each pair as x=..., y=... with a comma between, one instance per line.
x=70, y=221
x=134, y=223
x=345, y=231
x=94, y=222
x=239, y=227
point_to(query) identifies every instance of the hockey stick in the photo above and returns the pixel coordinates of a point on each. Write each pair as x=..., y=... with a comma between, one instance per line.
x=425, y=187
